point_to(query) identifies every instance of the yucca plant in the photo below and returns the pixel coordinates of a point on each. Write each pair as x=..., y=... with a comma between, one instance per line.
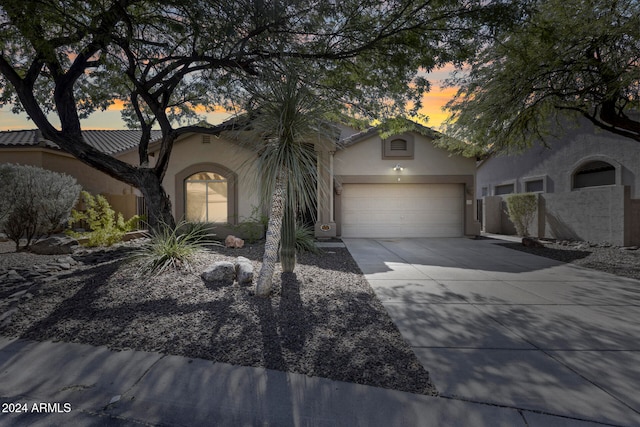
x=288, y=118
x=172, y=248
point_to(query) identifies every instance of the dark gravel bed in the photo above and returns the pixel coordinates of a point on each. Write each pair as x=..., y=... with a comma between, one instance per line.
x=324, y=320
x=611, y=259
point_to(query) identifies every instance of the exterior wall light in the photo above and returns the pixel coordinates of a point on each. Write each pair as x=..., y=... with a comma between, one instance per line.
x=398, y=167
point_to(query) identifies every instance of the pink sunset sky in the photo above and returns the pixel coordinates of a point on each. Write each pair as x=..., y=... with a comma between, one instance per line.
x=110, y=119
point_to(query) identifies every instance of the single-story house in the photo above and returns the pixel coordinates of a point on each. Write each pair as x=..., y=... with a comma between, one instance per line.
x=587, y=182
x=368, y=186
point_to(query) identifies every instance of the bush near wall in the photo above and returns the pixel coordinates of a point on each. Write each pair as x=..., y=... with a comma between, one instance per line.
x=522, y=209
x=34, y=201
x=105, y=226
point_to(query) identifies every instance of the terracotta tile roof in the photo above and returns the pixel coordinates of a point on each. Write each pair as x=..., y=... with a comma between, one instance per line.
x=107, y=141
x=356, y=137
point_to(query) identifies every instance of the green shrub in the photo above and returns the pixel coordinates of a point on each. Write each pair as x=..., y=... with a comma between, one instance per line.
x=252, y=229
x=172, y=248
x=105, y=227
x=34, y=201
x=522, y=209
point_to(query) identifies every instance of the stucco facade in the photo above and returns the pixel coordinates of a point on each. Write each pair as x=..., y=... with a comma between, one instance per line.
x=199, y=153
x=401, y=186
x=121, y=196
x=588, y=181
x=365, y=161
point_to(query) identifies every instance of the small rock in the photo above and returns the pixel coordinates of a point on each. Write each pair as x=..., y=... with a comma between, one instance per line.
x=61, y=265
x=18, y=294
x=67, y=260
x=629, y=248
x=13, y=275
x=530, y=242
x=233, y=242
x=221, y=273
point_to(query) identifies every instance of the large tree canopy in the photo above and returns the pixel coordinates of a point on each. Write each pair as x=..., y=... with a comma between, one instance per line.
x=558, y=57
x=165, y=59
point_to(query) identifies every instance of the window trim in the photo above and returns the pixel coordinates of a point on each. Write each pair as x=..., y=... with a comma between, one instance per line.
x=502, y=184
x=232, y=188
x=407, y=154
x=528, y=179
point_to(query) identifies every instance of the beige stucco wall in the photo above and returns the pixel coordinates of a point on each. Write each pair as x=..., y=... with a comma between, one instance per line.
x=89, y=178
x=365, y=158
x=120, y=195
x=190, y=150
x=22, y=156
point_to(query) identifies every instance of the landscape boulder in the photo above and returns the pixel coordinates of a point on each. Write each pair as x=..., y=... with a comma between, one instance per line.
x=244, y=271
x=55, y=245
x=221, y=273
x=233, y=242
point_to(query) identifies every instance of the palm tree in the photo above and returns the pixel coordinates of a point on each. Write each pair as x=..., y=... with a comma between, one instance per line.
x=288, y=117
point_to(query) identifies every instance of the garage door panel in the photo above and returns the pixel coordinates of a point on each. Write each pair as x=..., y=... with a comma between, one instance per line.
x=402, y=210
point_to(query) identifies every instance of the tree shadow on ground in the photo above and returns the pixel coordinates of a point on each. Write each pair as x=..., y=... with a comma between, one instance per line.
x=308, y=327
x=564, y=255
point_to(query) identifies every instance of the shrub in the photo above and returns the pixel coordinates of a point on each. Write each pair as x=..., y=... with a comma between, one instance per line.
x=172, y=248
x=34, y=201
x=105, y=226
x=253, y=228
x=522, y=209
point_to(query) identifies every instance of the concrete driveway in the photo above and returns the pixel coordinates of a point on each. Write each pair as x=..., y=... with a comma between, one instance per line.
x=500, y=326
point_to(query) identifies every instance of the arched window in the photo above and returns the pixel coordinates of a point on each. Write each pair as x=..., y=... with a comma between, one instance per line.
x=593, y=174
x=206, y=197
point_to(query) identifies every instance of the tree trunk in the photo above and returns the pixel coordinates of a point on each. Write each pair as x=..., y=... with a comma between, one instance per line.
x=158, y=203
x=288, y=244
x=272, y=241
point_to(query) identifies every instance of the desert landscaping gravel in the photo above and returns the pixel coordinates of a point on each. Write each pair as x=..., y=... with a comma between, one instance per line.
x=323, y=320
x=621, y=261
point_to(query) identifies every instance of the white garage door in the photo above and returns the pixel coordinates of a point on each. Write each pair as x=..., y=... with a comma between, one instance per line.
x=402, y=210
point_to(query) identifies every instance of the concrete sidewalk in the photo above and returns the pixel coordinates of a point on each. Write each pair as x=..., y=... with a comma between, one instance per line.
x=92, y=386
x=503, y=327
